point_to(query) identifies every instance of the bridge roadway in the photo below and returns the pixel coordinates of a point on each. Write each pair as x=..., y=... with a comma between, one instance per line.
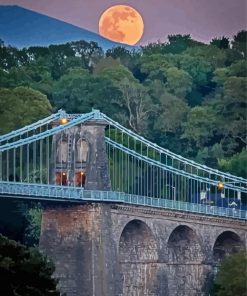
x=75, y=194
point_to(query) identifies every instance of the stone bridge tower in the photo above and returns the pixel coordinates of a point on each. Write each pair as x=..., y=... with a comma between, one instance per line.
x=79, y=157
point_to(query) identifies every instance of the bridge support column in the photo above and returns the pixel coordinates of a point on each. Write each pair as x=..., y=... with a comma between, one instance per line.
x=79, y=241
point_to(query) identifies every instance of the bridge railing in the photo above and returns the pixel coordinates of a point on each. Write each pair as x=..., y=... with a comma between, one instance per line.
x=75, y=194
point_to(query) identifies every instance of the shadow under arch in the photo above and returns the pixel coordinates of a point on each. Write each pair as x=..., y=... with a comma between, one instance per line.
x=184, y=245
x=138, y=257
x=137, y=240
x=187, y=272
x=228, y=242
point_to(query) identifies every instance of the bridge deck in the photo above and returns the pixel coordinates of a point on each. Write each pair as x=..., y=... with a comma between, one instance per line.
x=75, y=194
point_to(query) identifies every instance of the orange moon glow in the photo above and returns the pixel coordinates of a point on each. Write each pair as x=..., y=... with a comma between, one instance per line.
x=121, y=23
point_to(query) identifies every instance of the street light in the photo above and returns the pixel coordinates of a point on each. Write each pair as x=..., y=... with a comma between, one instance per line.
x=220, y=186
x=63, y=120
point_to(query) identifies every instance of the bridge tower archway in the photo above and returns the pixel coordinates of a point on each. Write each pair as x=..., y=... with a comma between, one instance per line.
x=138, y=257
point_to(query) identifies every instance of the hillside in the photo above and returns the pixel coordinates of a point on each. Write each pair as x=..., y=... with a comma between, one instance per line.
x=21, y=27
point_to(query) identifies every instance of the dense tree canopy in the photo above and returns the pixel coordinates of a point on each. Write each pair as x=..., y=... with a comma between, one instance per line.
x=21, y=106
x=25, y=272
x=231, y=277
x=186, y=95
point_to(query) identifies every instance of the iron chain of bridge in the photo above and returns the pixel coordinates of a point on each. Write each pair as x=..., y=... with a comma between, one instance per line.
x=141, y=172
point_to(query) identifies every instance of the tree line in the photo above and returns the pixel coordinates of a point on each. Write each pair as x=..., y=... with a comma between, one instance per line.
x=182, y=94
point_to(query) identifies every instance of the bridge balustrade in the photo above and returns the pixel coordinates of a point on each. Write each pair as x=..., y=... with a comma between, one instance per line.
x=73, y=194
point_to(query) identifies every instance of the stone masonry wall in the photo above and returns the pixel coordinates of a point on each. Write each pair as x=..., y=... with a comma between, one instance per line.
x=120, y=250
x=78, y=238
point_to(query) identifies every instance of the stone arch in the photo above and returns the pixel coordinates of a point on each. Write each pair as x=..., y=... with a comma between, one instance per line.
x=228, y=242
x=184, y=245
x=82, y=149
x=138, y=257
x=185, y=262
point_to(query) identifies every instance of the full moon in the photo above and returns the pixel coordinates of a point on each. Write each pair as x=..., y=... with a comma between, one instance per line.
x=121, y=23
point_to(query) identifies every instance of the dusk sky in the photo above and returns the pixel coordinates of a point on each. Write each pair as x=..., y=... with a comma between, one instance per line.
x=203, y=19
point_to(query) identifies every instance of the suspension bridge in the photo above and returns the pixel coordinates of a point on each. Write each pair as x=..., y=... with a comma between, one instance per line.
x=127, y=217
x=56, y=158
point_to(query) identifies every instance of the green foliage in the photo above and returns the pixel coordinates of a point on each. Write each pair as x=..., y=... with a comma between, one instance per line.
x=32, y=232
x=230, y=107
x=176, y=44
x=155, y=66
x=11, y=57
x=178, y=82
x=231, y=277
x=222, y=43
x=12, y=219
x=117, y=73
x=25, y=272
x=79, y=91
x=179, y=43
x=239, y=42
x=89, y=52
x=214, y=56
x=106, y=63
x=122, y=54
x=238, y=69
x=170, y=119
x=136, y=101
x=220, y=76
x=197, y=67
x=201, y=126
x=210, y=155
x=35, y=75
x=21, y=221
x=237, y=164
x=21, y=106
